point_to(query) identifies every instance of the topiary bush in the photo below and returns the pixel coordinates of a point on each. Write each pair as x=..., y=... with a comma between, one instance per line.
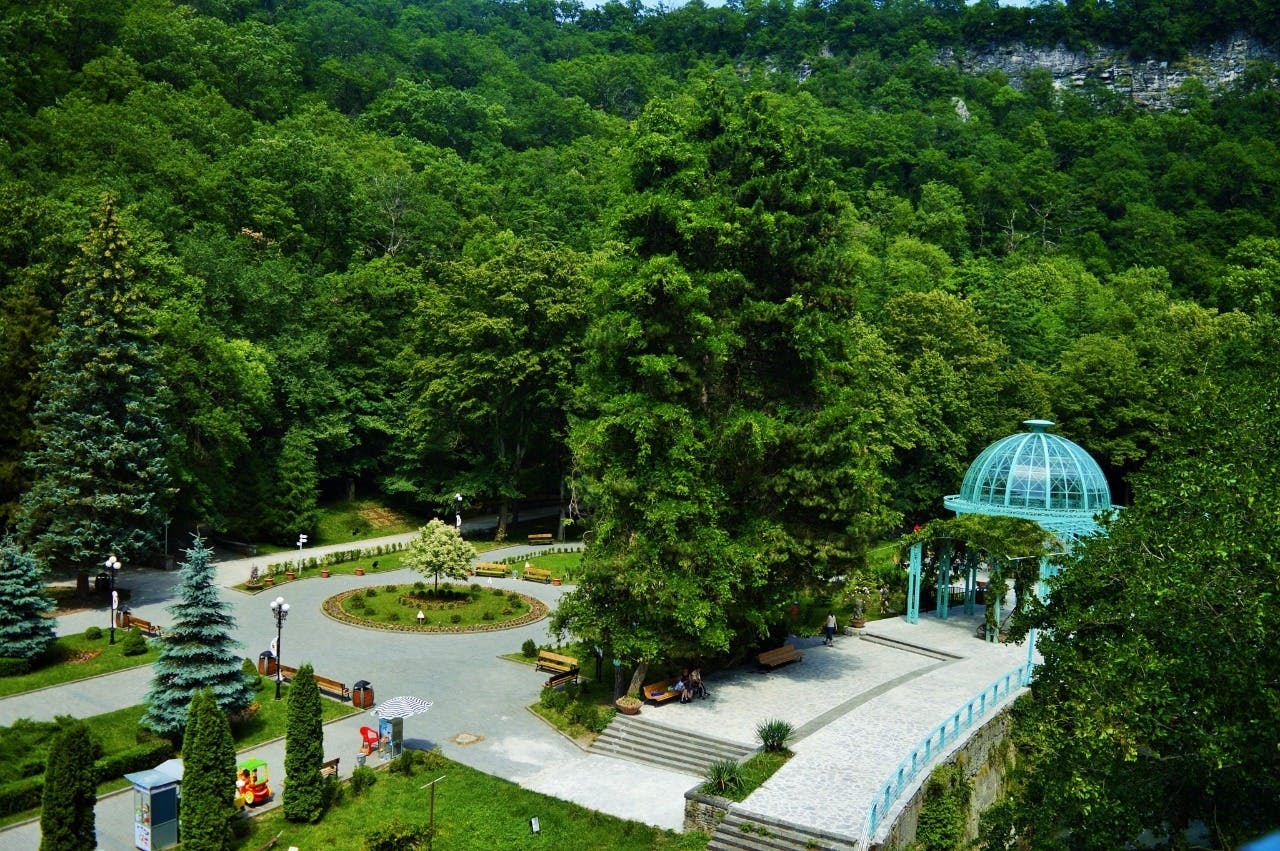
x=529, y=648
x=135, y=643
x=93, y=633
x=396, y=835
x=362, y=778
x=455, y=618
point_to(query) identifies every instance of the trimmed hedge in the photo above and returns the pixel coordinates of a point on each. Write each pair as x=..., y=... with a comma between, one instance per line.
x=22, y=795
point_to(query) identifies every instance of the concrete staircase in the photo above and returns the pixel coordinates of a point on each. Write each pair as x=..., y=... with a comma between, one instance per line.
x=740, y=831
x=635, y=739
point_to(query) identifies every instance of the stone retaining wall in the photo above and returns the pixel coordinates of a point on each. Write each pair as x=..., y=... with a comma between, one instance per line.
x=704, y=812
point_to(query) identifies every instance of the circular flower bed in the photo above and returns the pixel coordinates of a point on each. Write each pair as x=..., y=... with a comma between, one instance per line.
x=398, y=606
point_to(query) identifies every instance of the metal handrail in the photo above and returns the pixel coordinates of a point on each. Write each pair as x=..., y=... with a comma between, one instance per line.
x=944, y=735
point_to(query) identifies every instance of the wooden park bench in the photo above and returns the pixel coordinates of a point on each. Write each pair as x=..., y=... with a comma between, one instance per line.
x=334, y=687
x=537, y=574
x=659, y=692
x=556, y=663
x=330, y=767
x=779, y=656
x=286, y=673
x=147, y=627
x=557, y=680
x=490, y=569
x=540, y=538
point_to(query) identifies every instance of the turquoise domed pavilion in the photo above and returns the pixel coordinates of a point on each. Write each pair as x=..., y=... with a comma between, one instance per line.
x=1037, y=476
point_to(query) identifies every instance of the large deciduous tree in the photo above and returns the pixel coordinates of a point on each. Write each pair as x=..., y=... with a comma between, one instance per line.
x=737, y=413
x=197, y=651
x=25, y=632
x=1157, y=706
x=496, y=346
x=70, y=792
x=304, y=794
x=439, y=550
x=209, y=770
x=99, y=475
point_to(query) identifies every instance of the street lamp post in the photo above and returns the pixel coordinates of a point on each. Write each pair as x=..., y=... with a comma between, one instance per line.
x=457, y=510
x=112, y=564
x=280, y=609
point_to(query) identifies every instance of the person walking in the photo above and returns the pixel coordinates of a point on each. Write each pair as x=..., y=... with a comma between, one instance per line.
x=831, y=629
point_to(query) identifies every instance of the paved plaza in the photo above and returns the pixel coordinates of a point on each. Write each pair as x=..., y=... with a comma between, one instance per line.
x=859, y=707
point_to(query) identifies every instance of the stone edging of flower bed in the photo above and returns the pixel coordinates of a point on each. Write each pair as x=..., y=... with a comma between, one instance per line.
x=332, y=607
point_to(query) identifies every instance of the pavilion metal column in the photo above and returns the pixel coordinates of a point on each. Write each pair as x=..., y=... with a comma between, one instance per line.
x=1042, y=591
x=970, y=580
x=944, y=581
x=913, y=583
x=994, y=597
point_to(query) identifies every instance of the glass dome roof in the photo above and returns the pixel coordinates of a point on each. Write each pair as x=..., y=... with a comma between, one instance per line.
x=1038, y=476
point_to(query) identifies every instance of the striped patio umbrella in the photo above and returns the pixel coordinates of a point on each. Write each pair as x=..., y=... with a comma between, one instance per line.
x=401, y=707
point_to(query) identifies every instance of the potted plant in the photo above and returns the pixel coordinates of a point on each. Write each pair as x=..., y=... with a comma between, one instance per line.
x=255, y=580
x=628, y=704
x=858, y=605
x=324, y=572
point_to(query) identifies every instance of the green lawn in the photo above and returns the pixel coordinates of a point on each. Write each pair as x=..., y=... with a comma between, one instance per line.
x=74, y=657
x=472, y=811
x=361, y=519
x=563, y=566
x=456, y=606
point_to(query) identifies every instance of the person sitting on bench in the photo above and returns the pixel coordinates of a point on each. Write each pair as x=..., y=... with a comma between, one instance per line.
x=696, y=688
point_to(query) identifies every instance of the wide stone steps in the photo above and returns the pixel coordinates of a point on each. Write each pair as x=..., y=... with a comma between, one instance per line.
x=635, y=739
x=741, y=831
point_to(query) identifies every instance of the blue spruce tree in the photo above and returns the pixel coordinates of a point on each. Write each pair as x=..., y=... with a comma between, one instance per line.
x=197, y=652
x=98, y=470
x=24, y=632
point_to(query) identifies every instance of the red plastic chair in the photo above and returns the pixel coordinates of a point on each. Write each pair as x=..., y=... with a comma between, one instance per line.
x=370, y=737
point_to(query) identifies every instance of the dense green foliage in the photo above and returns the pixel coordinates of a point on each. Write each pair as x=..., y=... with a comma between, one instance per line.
x=1156, y=707
x=439, y=551
x=197, y=651
x=25, y=632
x=70, y=792
x=304, y=790
x=209, y=770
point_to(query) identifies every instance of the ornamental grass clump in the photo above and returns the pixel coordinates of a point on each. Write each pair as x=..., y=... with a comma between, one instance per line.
x=774, y=734
x=723, y=777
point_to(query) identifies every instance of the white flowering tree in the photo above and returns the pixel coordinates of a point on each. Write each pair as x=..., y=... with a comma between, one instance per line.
x=439, y=551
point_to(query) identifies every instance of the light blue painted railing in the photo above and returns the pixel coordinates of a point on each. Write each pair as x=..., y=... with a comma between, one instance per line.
x=943, y=736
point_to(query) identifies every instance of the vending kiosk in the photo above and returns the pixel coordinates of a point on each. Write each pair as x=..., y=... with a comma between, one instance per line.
x=155, y=805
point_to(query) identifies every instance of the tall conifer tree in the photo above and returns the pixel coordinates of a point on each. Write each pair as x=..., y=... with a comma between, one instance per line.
x=209, y=766
x=197, y=652
x=70, y=792
x=99, y=474
x=304, y=750
x=24, y=631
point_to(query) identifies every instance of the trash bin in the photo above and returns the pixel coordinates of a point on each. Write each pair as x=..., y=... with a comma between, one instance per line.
x=101, y=582
x=362, y=694
x=267, y=663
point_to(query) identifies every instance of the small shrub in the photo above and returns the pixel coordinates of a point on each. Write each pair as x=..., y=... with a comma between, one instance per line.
x=547, y=697
x=371, y=592
x=506, y=612
x=487, y=616
x=396, y=835
x=419, y=586
x=774, y=734
x=362, y=778
x=393, y=617
x=403, y=764
x=357, y=604
x=13, y=667
x=135, y=643
x=390, y=589
x=93, y=633
x=475, y=588
x=724, y=777
x=455, y=618
x=497, y=592
x=514, y=599
x=432, y=760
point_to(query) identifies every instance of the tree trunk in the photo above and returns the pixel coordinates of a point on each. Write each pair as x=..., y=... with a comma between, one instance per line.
x=637, y=678
x=503, y=507
x=560, y=525
x=619, y=682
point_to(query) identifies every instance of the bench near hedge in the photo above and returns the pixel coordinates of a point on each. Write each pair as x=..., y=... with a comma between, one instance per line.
x=490, y=569
x=540, y=538
x=147, y=627
x=334, y=687
x=330, y=767
x=556, y=663
x=537, y=574
x=779, y=656
x=659, y=692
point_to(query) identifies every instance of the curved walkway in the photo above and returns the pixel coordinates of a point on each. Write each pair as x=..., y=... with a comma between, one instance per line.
x=859, y=707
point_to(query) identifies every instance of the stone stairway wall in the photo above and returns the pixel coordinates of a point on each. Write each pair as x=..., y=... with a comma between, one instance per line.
x=743, y=831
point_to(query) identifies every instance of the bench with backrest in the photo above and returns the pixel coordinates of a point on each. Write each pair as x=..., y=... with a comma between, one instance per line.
x=659, y=692
x=540, y=538
x=334, y=687
x=490, y=569
x=537, y=574
x=779, y=656
x=147, y=627
x=556, y=663
x=564, y=679
x=330, y=767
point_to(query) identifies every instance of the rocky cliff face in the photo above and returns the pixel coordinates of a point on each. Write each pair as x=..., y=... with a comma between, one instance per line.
x=1150, y=83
